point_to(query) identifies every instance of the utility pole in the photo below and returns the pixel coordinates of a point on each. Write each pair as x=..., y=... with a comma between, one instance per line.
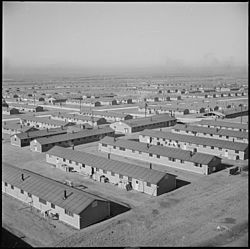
x=146, y=105
x=241, y=113
x=92, y=118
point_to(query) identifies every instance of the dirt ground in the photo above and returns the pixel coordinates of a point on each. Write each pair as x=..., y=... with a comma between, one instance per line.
x=187, y=216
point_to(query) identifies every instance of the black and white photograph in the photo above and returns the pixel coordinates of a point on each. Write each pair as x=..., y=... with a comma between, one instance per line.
x=124, y=124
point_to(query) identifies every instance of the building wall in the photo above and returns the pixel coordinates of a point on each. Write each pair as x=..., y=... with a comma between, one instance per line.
x=57, y=161
x=124, y=128
x=40, y=125
x=222, y=127
x=68, y=143
x=199, y=134
x=34, y=201
x=15, y=141
x=95, y=212
x=245, y=154
x=166, y=184
x=16, y=131
x=127, y=117
x=8, y=131
x=121, y=127
x=237, y=114
x=37, y=147
x=39, y=109
x=80, y=121
x=221, y=152
x=138, y=185
x=154, y=126
x=5, y=112
x=14, y=111
x=188, y=166
x=214, y=165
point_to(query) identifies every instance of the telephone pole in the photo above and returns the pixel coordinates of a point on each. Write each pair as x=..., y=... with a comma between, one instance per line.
x=146, y=105
x=241, y=113
x=92, y=118
x=80, y=104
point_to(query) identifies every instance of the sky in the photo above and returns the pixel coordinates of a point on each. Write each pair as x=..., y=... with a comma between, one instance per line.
x=102, y=34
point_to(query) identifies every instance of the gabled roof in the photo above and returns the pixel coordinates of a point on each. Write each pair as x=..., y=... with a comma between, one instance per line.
x=46, y=121
x=18, y=127
x=70, y=136
x=127, y=169
x=48, y=189
x=41, y=133
x=107, y=99
x=90, y=100
x=76, y=128
x=76, y=116
x=105, y=113
x=160, y=150
x=214, y=131
x=168, y=107
x=19, y=105
x=112, y=114
x=223, y=124
x=235, y=110
x=56, y=97
x=148, y=120
x=196, y=140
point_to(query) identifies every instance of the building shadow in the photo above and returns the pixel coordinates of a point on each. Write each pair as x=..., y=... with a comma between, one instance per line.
x=116, y=209
x=9, y=240
x=181, y=183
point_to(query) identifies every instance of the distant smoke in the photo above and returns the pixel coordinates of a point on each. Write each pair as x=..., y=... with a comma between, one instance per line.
x=211, y=61
x=171, y=63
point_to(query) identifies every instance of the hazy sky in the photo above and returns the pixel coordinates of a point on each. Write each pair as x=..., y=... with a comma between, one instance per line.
x=124, y=34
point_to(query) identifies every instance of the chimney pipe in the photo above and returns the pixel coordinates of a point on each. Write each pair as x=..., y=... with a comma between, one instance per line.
x=65, y=194
x=22, y=177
